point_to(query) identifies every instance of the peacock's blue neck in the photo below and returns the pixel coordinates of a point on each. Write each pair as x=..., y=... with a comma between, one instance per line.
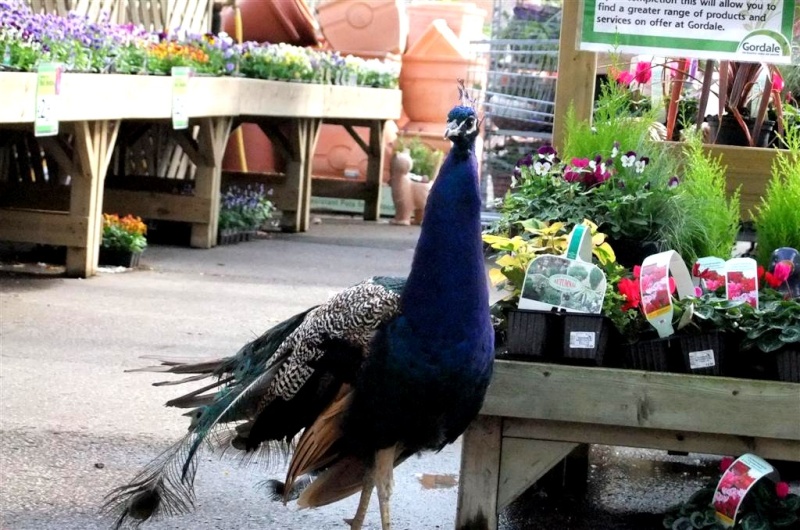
x=447, y=293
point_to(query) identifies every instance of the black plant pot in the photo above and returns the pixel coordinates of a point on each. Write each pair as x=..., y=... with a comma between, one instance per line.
x=731, y=133
x=631, y=252
x=654, y=355
x=228, y=236
x=703, y=353
x=788, y=361
x=113, y=257
x=585, y=338
x=533, y=335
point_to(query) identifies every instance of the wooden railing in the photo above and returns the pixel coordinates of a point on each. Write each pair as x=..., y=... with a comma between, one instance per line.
x=155, y=15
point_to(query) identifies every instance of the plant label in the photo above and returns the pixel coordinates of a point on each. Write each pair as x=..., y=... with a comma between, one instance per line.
x=565, y=282
x=655, y=290
x=180, y=89
x=736, y=482
x=48, y=88
x=741, y=280
x=701, y=359
x=709, y=273
x=582, y=340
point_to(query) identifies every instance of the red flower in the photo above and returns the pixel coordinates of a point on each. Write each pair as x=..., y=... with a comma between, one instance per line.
x=781, y=490
x=643, y=73
x=630, y=290
x=725, y=463
x=783, y=270
x=777, y=81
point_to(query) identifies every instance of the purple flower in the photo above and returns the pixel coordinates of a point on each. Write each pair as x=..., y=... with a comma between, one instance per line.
x=547, y=152
x=573, y=176
x=673, y=182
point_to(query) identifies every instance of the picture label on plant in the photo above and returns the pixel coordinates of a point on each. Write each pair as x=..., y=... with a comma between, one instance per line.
x=656, y=289
x=744, y=30
x=734, y=484
x=701, y=359
x=565, y=282
x=582, y=339
x=48, y=87
x=741, y=280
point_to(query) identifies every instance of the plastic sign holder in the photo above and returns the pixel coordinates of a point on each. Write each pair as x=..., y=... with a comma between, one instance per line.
x=180, y=87
x=48, y=88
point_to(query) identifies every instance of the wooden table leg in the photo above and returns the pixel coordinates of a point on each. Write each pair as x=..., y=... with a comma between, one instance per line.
x=312, y=127
x=211, y=142
x=480, y=475
x=94, y=143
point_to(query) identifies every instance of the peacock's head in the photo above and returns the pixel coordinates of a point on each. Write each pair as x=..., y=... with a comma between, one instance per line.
x=462, y=123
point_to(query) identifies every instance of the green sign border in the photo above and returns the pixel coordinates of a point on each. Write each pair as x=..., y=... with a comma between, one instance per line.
x=588, y=34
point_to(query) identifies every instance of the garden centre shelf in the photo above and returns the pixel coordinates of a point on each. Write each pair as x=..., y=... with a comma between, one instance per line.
x=100, y=111
x=535, y=414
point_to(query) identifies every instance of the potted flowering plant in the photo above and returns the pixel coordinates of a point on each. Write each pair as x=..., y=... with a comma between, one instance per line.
x=123, y=240
x=526, y=333
x=242, y=212
x=767, y=505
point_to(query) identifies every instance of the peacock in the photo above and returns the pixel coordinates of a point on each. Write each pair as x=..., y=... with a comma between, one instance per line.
x=383, y=370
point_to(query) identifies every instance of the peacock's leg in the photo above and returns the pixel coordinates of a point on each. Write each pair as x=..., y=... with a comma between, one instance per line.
x=366, y=492
x=384, y=466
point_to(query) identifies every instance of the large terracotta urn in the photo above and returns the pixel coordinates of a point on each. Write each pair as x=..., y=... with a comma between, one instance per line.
x=465, y=19
x=365, y=26
x=429, y=73
x=260, y=156
x=273, y=21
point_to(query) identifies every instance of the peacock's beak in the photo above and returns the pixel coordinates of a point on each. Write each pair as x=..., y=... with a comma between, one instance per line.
x=453, y=128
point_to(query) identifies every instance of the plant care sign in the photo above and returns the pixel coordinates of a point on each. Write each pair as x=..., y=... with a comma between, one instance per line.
x=743, y=30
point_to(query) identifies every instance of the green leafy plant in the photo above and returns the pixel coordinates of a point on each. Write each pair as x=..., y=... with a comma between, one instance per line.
x=711, y=217
x=777, y=216
x=124, y=233
x=426, y=159
x=244, y=208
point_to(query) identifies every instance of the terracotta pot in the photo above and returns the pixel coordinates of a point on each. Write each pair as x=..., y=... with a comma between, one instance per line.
x=368, y=25
x=464, y=19
x=429, y=71
x=338, y=155
x=419, y=194
x=259, y=153
x=272, y=21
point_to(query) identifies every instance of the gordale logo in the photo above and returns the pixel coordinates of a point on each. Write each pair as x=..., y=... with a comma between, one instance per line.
x=765, y=42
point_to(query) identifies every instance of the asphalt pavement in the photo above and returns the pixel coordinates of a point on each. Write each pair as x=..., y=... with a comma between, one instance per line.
x=74, y=424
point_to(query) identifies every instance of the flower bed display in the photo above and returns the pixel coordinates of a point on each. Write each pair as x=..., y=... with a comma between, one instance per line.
x=28, y=39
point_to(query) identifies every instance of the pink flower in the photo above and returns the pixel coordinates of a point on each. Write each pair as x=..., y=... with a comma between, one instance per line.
x=783, y=270
x=781, y=490
x=573, y=176
x=580, y=162
x=777, y=81
x=644, y=72
x=625, y=78
x=725, y=463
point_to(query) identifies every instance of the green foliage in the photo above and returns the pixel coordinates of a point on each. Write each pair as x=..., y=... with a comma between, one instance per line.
x=711, y=219
x=244, y=208
x=426, y=159
x=126, y=233
x=777, y=217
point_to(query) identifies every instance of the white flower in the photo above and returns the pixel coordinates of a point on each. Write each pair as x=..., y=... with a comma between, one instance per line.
x=640, y=165
x=541, y=168
x=628, y=160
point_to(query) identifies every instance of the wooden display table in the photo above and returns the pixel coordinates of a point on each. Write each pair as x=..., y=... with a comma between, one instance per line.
x=535, y=414
x=94, y=108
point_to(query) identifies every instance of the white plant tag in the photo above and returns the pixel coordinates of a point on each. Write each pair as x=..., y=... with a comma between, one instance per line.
x=701, y=359
x=582, y=339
